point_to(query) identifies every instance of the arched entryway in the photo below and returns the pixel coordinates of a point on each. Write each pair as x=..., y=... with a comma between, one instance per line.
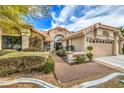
x=57, y=41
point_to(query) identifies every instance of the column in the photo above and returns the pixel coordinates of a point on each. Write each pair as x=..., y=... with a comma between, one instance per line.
x=0, y=42
x=52, y=46
x=121, y=46
x=25, y=41
x=116, y=45
x=84, y=43
x=0, y=39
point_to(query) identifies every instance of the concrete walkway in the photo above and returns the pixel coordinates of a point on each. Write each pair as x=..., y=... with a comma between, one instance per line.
x=101, y=80
x=42, y=84
x=116, y=62
x=65, y=72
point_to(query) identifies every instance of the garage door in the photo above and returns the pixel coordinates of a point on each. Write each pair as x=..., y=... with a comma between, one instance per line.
x=102, y=48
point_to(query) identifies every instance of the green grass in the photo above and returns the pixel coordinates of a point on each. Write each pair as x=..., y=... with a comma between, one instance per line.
x=19, y=54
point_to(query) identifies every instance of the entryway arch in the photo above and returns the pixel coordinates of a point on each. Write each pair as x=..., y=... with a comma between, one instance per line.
x=57, y=41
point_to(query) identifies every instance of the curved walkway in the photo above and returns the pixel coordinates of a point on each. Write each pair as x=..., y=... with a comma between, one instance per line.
x=100, y=81
x=65, y=72
x=42, y=84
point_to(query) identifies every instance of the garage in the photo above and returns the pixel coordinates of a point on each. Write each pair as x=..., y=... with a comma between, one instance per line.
x=102, y=47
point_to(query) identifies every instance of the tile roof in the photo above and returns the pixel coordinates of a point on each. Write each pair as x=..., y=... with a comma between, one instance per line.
x=90, y=28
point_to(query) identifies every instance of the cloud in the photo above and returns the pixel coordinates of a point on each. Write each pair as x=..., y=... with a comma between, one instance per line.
x=66, y=12
x=73, y=18
x=106, y=14
x=110, y=15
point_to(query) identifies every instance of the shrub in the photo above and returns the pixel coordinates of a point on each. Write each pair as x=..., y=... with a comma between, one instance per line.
x=89, y=56
x=31, y=49
x=89, y=48
x=80, y=59
x=123, y=50
x=6, y=51
x=48, y=66
x=61, y=52
x=69, y=48
x=18, y=64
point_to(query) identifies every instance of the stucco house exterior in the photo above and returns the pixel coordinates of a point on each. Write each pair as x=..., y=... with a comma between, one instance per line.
x=106, y=40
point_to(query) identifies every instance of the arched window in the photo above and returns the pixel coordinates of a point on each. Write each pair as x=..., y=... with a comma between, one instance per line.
x=58, y=38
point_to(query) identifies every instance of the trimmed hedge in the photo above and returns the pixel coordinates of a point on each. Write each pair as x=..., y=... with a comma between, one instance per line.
x=20, y=64
x=6, y=51
x=31, y=49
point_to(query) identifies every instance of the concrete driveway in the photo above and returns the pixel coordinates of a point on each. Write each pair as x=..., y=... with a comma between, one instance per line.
x=116, y=62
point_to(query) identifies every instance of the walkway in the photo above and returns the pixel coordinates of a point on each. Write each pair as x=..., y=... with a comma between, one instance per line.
x=65, y=72
x=42, y=84
x=116, y=62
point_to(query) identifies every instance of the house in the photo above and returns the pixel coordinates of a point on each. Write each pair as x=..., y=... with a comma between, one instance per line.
x=106, y=40
x=20, y=39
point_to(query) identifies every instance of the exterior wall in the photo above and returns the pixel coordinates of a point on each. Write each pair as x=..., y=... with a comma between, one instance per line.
x=100, y=32
x=121, y=46
x=53, y=33
x=77, y=43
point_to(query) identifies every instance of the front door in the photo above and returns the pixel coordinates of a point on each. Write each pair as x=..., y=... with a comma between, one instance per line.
x=57, y=45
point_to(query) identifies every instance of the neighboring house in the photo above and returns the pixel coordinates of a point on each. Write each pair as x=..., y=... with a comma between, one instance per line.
x=106, y=40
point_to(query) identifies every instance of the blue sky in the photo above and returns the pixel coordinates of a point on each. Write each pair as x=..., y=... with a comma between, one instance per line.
x=77, y=17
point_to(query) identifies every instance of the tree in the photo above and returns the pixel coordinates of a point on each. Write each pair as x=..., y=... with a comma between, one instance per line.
x=122, y=31
x=12, y=16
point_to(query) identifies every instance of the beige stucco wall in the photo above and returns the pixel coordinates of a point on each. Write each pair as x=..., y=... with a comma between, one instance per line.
x=99, y=34
x=53, y=33
x=77, y=43
x=121, y=46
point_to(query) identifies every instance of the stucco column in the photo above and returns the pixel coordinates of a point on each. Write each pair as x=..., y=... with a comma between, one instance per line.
x=0, y=39
x=52, y=46
x=70, y=42
x=84, y=44
x=121, y=46
x=25, y=41
x=42, y=44
x=116, y=45
x=0, y=42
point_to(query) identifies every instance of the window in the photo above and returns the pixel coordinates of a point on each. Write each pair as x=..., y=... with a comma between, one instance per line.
x=58, y=38
x=11, y=42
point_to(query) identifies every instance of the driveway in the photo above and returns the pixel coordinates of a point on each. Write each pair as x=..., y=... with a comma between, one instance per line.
x=87, y=71
x=116, y=62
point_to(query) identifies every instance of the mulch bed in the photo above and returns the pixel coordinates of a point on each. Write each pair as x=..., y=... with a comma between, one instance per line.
x=26, y=85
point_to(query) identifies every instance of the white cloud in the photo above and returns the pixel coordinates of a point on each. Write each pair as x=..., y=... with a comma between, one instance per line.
x=73, y=18
x=114, y=17
x=109, y=15
x=66, y=12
